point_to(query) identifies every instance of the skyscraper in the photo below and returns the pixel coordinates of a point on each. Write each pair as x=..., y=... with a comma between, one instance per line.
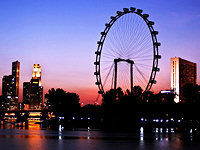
x=26, y=92
x=36, y=90
x=10, y=86
x=37, y=73
x=15, y=74
x=182, y=72
x=34, y=94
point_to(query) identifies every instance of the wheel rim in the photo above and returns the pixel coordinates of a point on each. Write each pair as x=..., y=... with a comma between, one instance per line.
x=128, y=35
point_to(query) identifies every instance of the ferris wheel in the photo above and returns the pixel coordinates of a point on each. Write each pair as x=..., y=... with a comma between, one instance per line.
x=127, y=53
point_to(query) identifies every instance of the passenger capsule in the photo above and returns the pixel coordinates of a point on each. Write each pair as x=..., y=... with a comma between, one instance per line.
x=103, y=33
x=145, y=15
x=97, y=53
x=99, y=42
x=97, y=83
x=155, y=32
x=112, y=17
x=96, y=73
x=132, y=9
x=153, y=81
x=119, y=12
x=96, y=63
x=107, y=25
x=157, y=44
x=126, y=10
x=151, y=23
x=100, y=92
x=158, y=56
x=156, y=69
x=139, y=11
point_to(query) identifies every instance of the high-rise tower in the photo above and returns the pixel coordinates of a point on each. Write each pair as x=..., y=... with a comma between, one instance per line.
x=36, y=90
x=182, y=72
x=37, y=73
x=10, y=87
x=26, y=92
x=15, y=74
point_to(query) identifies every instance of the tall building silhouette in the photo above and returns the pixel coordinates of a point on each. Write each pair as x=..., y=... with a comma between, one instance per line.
x=10, y=87
x=26, y=92
x=36, y=90
x=15, y=74
x=182, y=72
x=34, y=94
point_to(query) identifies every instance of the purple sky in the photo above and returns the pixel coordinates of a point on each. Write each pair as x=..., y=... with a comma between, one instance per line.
x=61, y=35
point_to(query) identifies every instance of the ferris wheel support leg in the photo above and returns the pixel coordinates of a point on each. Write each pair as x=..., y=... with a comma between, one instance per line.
x=131, y=70
x=115, y=81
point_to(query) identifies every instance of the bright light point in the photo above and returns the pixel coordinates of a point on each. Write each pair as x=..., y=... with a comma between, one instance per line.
x=141, y=130
x=60, y=137
x=167, y=130
x=88, y=118
x=73, y=118
x=190, y=130
x=60, y=128
x=172, y=130
x=61, y=118
x=142, y=119
x=156, y=130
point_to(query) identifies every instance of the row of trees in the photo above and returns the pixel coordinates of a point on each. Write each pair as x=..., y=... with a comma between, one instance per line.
x=118, y=106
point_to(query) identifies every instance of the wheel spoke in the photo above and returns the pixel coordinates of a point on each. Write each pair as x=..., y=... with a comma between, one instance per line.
x=128, y=40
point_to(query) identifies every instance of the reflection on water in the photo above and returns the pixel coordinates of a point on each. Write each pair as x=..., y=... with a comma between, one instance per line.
x=12, y=137
x=34, y=126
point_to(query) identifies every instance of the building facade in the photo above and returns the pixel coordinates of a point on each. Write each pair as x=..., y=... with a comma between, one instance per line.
x=26, y=92
x=34, y=94
x=33, y=90
x=10, y=87
x=15, y=74
x=182, y=72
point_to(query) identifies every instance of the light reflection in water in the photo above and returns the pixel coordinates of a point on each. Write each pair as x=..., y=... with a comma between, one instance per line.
x=33, y=139
x=88, y=135
x=34, y=127
x=141, y=134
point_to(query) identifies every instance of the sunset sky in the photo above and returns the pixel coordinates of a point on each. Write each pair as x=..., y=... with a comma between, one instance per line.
x=61, y=35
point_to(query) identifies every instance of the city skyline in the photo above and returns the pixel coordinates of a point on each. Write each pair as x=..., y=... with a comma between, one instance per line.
x=46, y=34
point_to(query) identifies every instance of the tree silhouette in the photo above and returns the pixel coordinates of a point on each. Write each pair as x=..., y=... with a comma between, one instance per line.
x=119, y=108
x=190, y=93
x=62, y=103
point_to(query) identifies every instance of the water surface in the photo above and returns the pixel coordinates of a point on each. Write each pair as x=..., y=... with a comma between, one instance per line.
x=35, y=139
